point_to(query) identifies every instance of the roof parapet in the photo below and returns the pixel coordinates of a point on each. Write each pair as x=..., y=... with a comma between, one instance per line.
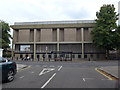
x=55, y=22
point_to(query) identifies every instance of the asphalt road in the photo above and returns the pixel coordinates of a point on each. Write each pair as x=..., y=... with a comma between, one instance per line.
x=62, y=75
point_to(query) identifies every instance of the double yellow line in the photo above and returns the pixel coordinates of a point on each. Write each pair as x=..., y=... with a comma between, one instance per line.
x=104, y=74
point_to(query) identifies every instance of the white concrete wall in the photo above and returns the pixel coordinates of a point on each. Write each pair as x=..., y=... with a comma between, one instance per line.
x=1, y=52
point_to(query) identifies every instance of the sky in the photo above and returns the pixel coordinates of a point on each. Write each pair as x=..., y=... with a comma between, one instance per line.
x=45, y=10
x=50, y=10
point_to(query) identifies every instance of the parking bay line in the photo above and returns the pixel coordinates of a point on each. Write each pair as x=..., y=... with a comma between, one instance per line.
x=49, y=80
x=60, y=68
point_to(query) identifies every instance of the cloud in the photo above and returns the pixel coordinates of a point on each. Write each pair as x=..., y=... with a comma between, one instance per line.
x=44, y=10
x=40, y=10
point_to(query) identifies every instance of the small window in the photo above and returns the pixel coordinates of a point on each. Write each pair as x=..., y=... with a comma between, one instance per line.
x=61, y=55
x=38, y=56
x=21, y=56
x=79, y=56
x=61, y=28
x=86, y=28
x=32, y=56
x=73, y=56
x=55, y=55
x=85, y=56
x=49, y=56
x=67, y=56
x=78, y=28
x=98, y=56
x=91, y=55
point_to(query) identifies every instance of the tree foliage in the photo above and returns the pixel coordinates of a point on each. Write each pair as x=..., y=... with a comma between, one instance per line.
x=103, y=35
x=5, y=39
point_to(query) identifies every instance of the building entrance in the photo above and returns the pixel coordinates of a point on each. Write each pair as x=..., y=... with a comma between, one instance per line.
x=62, y=56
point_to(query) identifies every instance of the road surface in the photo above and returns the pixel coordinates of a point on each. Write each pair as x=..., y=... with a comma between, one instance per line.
x=62, y=75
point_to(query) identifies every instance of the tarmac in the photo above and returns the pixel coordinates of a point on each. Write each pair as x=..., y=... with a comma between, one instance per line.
x=112, y=70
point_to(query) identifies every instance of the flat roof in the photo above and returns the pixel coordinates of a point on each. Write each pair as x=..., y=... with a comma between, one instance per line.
x=55, y=22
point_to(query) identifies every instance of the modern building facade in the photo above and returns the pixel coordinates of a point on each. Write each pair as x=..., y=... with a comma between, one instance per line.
x=39, y=39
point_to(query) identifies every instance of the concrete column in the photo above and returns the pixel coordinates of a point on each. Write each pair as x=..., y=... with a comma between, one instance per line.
x=58, y=46
x=34, y=44
x=82, y=36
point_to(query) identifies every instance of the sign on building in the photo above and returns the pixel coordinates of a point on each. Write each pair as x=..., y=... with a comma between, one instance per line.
x=25, y=48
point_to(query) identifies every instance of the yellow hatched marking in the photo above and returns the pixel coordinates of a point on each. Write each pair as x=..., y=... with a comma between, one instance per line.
x=103, y=74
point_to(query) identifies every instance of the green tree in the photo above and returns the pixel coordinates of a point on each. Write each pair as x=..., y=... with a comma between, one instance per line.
x=102, y=34
x=5, y=38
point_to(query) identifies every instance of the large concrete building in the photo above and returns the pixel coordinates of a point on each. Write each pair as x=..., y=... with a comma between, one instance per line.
x=71, y=38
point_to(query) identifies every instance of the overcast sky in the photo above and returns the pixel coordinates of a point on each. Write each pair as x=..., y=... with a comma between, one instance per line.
x=44, y=10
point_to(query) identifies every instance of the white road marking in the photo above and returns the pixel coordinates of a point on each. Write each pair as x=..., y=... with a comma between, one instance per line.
x=84, y=79
x=60, y=68
x=22, y=77
x=46, y=70
x=49, y=80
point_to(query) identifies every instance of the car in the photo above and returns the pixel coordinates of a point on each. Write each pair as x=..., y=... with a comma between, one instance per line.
x=8, y=69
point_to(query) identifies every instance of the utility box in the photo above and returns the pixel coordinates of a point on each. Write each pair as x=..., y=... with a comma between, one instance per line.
x=1, y=52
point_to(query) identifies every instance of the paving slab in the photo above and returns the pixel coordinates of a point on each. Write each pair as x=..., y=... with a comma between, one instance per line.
x=113, y=70
x=21, y=66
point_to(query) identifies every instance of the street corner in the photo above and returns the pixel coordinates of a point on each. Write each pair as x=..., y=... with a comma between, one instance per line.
x=22, y=67
x=110, y=76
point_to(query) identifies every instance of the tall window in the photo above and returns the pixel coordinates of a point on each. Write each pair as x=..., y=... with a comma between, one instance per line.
x=85, y=56
x=79, y=56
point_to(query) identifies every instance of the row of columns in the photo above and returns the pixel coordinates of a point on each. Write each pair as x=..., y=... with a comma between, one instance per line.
x=58, y=46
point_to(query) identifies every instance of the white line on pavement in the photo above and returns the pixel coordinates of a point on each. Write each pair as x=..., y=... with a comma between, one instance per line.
x=22, y=77
x=46, y=70
x=41, y=72
x=60, y=68
x=49, y=80
x=84, y=79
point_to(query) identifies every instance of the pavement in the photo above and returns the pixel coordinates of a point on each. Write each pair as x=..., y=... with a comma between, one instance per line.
x=21, y=66
x=112, y=70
